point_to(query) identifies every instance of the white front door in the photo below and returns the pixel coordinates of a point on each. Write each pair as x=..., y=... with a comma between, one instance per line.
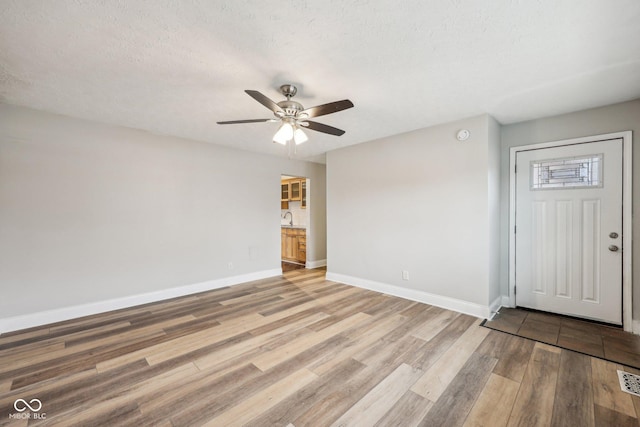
x=568, y=232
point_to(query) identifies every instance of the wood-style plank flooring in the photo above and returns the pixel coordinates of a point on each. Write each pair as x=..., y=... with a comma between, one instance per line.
x=289, y=266
x=298, y=351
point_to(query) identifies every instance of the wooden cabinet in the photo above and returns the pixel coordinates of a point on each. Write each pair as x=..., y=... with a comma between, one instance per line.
x=285, y=191
x=302, y=248
x=294, y=244
x=295, y=190
x=303, y=185
x=290, y=249
x=291, y=190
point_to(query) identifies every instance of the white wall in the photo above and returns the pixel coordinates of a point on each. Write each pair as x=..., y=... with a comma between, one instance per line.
x=91, y=212
x=612, y=118
x=419, y=202
x=494, y=182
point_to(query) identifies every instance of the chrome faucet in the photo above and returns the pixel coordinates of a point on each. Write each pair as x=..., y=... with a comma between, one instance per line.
x=285, y=217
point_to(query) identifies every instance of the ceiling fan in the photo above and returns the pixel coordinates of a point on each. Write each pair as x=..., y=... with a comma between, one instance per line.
x=294, y=116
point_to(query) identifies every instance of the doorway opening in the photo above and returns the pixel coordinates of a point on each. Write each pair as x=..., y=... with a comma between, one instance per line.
x=570, y=227
x=294, y=221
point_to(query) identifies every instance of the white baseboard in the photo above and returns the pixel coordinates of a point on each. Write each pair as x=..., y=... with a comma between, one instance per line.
x=316, y=264
x=15, y=323
x=495, y=306
x=635, y=327
x=472, y=309
x=506, y=301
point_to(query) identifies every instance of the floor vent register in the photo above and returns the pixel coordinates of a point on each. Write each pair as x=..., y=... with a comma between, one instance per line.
x=629, y=382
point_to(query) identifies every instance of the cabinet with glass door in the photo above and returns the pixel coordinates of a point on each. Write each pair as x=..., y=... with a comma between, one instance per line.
x=285, y=191
x=295, y=190
x=303, y=202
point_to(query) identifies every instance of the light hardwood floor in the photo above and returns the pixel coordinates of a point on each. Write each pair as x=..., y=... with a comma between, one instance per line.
x=300, y=351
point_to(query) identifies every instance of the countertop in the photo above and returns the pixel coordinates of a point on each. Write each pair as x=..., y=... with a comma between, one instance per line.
x=299, y=227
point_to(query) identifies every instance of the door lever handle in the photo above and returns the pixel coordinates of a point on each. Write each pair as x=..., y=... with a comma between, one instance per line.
x=613, y=248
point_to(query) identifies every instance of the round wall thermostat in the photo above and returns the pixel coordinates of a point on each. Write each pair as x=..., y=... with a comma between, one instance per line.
x=463, y=135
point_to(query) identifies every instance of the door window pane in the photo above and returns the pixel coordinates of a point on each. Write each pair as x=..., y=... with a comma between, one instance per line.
x=569, y=172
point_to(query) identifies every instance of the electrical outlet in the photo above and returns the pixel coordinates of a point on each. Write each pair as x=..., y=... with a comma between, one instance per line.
x=230, y=265
x=405, y=275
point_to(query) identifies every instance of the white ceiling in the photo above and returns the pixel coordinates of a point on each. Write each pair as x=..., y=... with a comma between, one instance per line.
x=176, y=67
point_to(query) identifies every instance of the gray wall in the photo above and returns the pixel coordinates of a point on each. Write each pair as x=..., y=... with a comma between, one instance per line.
x=90, y=212
x=494, y=183
x=419, y=202
x=614, y=118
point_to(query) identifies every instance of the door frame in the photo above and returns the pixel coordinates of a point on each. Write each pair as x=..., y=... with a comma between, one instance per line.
x=627, y=211
x=309, y=232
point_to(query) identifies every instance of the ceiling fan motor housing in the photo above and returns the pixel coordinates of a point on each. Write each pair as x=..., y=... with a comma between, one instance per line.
x=291, y=108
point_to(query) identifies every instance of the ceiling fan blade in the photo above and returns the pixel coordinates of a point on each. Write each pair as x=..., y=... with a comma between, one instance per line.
x=265, y=101
x=319, y=127
x=332, y=107
x=233, y=122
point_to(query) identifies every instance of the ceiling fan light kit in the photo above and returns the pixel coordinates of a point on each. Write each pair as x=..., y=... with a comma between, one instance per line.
x=284, y=134
x=293, y=116
x=299, y=136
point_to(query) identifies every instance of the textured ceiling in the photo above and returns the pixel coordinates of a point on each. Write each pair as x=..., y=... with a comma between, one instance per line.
x=176, y=67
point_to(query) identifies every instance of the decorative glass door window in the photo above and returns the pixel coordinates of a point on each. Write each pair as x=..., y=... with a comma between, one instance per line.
x=566, y=173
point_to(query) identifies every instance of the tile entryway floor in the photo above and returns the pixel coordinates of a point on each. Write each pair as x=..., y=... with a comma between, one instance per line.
x=606, y=342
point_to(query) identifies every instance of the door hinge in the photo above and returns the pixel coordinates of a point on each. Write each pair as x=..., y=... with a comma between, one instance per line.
x=515, y=168
x=515, y=229
x=514, y=291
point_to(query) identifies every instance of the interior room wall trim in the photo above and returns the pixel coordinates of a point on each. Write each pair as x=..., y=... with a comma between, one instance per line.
x=51, y=316
x=317, y=263
x=494, y=307
x=636, y=327
x=454, y=304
